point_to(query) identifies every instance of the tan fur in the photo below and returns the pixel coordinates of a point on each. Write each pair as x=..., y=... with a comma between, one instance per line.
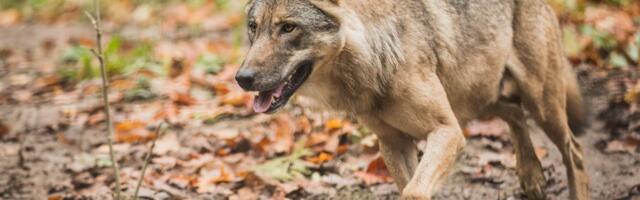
x=421, y=69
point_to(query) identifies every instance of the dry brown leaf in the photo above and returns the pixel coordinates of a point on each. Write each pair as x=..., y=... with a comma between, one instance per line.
x=236, y=98
x=316, y=138
x=4, y=129
x=47, y=81
x=123, y=84
x=376, y=172
x=224, y=176
x=96, y=118
x=221, y=88
x=183, y=99
x=626, y=145
x=132, y=131
x=284, y=127
x=54, y=197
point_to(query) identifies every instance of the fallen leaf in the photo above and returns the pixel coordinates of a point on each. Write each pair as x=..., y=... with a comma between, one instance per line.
x=284, y=128
x=376, y=172
x=123, y=84
x=47, y=81
x=237, y=99
x=284, y=168
x=333, y=124
x=182, y=181
x=224, y=177
x=132, y=131
x=626, y=145
x=321, y=158
x=54, y=197
x=183, y=99
x=541, y=152
x=4, y=129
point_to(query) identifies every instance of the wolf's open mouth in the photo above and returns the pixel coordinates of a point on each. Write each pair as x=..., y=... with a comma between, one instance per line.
x=271, y=100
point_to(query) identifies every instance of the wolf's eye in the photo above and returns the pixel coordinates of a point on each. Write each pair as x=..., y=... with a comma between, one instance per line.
x=288, y=28
x=253, y=26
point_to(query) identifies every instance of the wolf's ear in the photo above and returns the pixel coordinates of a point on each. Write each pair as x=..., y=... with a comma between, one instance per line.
x=332, y=8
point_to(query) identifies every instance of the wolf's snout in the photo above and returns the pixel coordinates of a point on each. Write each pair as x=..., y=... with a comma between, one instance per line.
x=246, y=78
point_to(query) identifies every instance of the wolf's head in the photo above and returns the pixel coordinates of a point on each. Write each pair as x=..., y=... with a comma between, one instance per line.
x=289, y=38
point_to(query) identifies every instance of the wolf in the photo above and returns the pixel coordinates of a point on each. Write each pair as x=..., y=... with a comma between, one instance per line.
x=420, y=70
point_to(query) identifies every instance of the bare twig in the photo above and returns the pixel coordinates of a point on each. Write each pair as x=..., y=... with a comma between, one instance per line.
x=96, y=21
x=147, y=159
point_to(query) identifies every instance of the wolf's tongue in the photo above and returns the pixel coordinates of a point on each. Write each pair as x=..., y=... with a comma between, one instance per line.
x=262, y=102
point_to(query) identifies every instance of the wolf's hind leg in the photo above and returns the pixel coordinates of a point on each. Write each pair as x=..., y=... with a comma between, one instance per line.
x=398, y=150
x=528, y=166
x=555, y=125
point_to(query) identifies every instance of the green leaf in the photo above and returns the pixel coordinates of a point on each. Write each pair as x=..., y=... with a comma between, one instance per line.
x=286, y=168
x=571, y=44
x=633, y=52
x=601, y=39
x=618, y=61
x=210, y=63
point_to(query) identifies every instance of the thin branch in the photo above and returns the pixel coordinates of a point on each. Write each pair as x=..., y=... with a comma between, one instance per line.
x=147, y=160
x=96, y=21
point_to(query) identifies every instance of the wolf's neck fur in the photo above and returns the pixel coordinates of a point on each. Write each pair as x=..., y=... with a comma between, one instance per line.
x=370, y=55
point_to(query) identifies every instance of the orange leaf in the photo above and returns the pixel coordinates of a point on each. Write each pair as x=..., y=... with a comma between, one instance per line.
x=541, y=152
x=54, y=197
x=183, y=99
x=333, y=124
x=224, y=177
x=221, y=88
x=132, y=131
x=236, y=99
x=123, y=84
x=129, y=125
x=322, y=158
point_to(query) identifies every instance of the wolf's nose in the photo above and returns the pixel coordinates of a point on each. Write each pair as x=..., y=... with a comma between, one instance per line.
x=245, y=78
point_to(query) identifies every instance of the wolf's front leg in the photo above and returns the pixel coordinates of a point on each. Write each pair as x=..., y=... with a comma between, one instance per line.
x=398, y=150
x=442, y=149
x=418, y=106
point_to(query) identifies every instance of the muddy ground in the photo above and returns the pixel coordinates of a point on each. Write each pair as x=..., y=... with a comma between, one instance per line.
x=34, y=164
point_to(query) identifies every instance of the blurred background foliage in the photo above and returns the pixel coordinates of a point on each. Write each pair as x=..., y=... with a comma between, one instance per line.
x=599, y=32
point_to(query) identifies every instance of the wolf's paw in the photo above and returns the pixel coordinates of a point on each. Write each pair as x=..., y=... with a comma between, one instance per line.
x=534, y=191
x=408, y=194
x=415, y=197
x=533, y=185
